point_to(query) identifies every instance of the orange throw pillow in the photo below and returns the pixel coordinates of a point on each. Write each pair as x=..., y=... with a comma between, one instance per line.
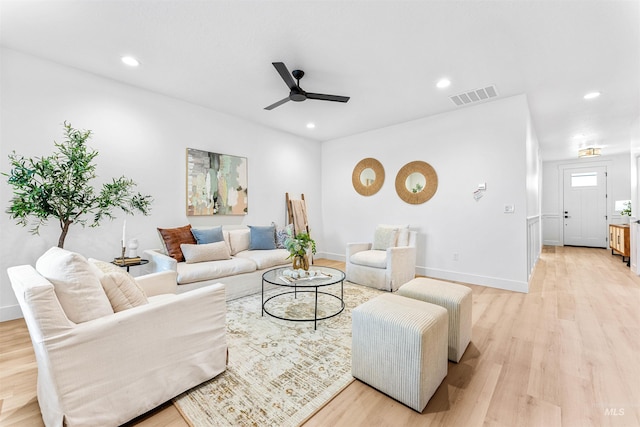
x=174, y=237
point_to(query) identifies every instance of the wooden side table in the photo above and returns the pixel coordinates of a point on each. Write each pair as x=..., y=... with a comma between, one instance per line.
x=132, y=264
x=619, y=241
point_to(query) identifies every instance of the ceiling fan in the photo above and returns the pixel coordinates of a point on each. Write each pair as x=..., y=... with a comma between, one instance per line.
x=297, y=94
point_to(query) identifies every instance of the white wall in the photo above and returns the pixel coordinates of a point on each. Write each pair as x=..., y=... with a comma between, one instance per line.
x=143, y=136
x=534, y=183
x=634, y=147
x=634, y=161
x=618, y=188
x=469, y=146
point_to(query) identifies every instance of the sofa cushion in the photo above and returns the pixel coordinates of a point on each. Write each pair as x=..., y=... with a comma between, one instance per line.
x=239, y=240
x=174, y=237
x=207, y=235
x=384, y=237
x=266, y=259
x=122, y=290
x=189, y=273
x=205, y=252
x=75, y=283
x=371, y=258
x=262, y=237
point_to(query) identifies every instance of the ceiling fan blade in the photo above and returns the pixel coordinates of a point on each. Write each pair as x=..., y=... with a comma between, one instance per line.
x=285, y=74
x=277, y=104
x=322, y=97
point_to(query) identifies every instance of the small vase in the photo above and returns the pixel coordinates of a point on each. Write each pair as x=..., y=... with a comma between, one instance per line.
x=301, y=261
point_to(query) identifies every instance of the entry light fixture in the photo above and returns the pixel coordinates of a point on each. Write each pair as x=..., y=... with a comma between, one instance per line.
x=311, y=125
x=592, y=95
x=589, y=152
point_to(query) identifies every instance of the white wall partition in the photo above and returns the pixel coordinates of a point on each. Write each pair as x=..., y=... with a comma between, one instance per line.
x=634, y=165
x=143, y=136
x=460, y=238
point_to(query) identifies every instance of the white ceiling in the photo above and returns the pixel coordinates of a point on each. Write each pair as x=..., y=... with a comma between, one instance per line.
x=386, y=55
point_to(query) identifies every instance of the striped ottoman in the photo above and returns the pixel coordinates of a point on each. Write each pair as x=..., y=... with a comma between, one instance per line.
x=399, y=346
x=455, y=298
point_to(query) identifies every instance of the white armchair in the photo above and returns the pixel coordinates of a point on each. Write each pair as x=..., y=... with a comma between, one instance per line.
x=385, y=269
x=109, y=370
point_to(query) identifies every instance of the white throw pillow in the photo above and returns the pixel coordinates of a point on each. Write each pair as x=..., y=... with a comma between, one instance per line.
x=402, y=238
x=122, y=290
x=206, y=252
x=105, y=267
x=76, y=285
x=384, y=238
x=239, y=240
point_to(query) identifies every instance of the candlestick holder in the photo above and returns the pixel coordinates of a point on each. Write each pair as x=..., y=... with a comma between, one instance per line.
x=124, y=249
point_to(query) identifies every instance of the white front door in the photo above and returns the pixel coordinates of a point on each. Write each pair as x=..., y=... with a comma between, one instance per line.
x=585, y=207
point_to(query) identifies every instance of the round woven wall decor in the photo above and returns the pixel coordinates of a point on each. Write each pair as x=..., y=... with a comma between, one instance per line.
x=373, y=187
x=430, y=186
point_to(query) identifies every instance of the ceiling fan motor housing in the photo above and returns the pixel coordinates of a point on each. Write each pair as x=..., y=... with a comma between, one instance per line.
x=297, y=94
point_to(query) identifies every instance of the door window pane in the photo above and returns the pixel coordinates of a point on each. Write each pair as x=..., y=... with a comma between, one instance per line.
x=589, y=179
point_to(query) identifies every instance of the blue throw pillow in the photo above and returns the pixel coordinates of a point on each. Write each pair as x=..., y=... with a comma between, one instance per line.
x=262, y=237
x=208, y=235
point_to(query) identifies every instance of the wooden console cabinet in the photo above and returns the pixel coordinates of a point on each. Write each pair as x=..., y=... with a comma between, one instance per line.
x=619, y=241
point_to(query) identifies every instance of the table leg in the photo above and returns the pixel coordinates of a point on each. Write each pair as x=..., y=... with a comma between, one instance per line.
x=315, y=314
x=262, y=305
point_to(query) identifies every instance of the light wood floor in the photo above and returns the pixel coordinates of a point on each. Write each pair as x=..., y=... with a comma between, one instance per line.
x=565, y=354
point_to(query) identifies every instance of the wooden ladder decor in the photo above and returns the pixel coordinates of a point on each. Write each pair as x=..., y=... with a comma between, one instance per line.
x=297, y=214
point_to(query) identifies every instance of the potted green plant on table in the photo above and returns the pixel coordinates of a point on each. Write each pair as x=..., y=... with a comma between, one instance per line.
x=627, y=209
x=298, y=246
x=58, y=187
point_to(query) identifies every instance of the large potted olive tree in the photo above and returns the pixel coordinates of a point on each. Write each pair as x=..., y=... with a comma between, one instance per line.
x=58, y=186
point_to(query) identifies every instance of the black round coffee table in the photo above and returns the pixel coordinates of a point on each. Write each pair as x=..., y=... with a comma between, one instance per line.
x=308, y=284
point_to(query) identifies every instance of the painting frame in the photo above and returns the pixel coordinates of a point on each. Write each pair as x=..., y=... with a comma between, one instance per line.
x=216, y=184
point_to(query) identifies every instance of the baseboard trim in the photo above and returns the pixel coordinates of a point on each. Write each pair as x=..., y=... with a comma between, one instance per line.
x=491, y=282
x=10, y=312
x=552, y=243
x=330, y=256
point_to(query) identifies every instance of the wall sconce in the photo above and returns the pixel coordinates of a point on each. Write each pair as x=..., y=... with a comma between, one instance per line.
x=589, y=152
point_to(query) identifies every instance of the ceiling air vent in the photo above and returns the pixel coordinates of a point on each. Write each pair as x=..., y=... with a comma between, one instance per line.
x=473, y=96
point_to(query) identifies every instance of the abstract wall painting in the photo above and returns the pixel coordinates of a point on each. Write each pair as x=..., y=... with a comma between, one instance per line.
x=216, y=184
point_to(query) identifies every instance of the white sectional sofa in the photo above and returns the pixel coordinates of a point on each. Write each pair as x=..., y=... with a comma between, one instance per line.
x=241, y=272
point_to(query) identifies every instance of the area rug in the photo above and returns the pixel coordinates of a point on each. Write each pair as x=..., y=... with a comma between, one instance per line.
x=279, y=372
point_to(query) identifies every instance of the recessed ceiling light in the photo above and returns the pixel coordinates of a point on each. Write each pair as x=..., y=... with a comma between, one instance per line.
x=592, y=95
x=442, y=83
x=130, y=61
x=311, y=125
